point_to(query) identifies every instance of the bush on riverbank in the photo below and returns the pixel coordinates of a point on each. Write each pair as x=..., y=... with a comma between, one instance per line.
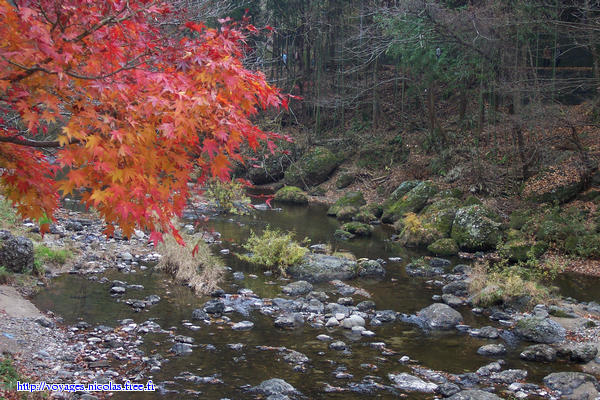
x=274, y=250
x=44, y=254
x=201, y=271
x=229, y=197
x=521, y=285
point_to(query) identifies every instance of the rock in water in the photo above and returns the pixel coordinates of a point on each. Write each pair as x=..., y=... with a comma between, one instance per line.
x=440, y=316
x=573, y=385
x=474, y=395
x=411, y=383
x=540, y=330
x=275, y=387
x=298, y=288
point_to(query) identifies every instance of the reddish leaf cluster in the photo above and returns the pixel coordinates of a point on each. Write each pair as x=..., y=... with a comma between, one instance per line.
x=141, y=109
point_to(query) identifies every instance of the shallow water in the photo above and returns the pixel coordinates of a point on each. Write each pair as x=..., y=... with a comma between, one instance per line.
x=75, y=298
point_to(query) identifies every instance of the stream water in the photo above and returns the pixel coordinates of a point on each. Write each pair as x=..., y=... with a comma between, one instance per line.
x=74, y=298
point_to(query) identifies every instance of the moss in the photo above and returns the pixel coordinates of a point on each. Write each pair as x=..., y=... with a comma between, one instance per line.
x=441, y=214
x=365, y=216
x=342, y=234
x=373, y=208
x=444, y=247
x=413, y=201
x=291, y=194
x=358, y=228
x=313, y=168
x=354, y=199
x=416, y=233
x=519, y=218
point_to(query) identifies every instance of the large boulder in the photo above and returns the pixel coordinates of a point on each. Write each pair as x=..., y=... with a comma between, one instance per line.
x=413, y=201
x=312, y=168
x=291, y=194
x=415, y=232
x=444, y=247
x=540, y=330
x=16, y=252
x=350, y=199
x=440, y=316
x=441, y=214
x=269, y=169
x=474, y=229
x=321, y=267
x=573, y=385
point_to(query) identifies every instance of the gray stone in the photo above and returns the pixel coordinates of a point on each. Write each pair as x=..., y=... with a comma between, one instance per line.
x=457, y=288
x=452, y=300
x=411, y=383
x=474, y=395
x=243, y=326
x=440, y=316
x=579, y=352
x=540, y=330
x=338, y=345
x=538, y=352
x=365, y=305
x=474, y=230
x=321, y=268
x=488, y=332
x=16, y=253
x=274, y=387
x=573, y=385
x=493, y=350
x=117, y=290
x=352, y=321
x=509, y=376
x=289, y=321
x=214, y=307
x=297, y=288
x=180, y=349
x=370, y=268
x=489, y=369
x=200, y=314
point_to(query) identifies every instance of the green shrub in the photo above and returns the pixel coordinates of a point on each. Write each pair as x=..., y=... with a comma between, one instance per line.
x=274, y=250
x=230, y=196
x=9, y=375
x=8, y=215
x=46, y=255
x=588, y=246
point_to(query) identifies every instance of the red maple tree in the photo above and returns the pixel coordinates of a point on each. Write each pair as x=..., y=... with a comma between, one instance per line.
x=141, y=109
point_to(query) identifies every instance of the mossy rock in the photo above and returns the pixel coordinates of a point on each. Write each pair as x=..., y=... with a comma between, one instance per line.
x=317, y=191
x=364, y=216
x=454, y=192
x=342, y=234
x=441, y=214
x=291, y=194
x=414, y=232
x=412, y=201
x=474, y=229
x=373, y=208
x=445, y=247
x=354, y=199
x=403, y=188
x=358, y=228
x=344, y=180
x=313, y=168
x=346, y=213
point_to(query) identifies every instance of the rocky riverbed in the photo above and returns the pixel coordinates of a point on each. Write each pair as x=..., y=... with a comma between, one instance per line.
x=333, y=328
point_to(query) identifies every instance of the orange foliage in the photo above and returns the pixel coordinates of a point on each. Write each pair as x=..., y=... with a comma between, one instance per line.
x=141, y=109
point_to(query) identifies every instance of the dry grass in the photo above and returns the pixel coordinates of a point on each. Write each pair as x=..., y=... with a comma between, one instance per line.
x=202, y=271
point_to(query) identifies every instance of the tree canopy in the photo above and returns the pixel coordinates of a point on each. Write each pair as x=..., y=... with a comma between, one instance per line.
x=140, y=107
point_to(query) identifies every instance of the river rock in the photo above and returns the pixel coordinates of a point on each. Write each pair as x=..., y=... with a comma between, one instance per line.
x=214, y=307
x=322, y=267
x=243, y=326
x=457, y=288
x=488, y=332
x=181, y=349
x=289, y=321
x=422, y=269
x=200, y=314
x=448, y=389
x=509, y=376
x=352, y=321
x=365, y=305
x=452, y=300
x=370, y=268
x=440, y=316
x=538, y=352
x=489, y=369
x=332, y=322
x=411, y=383
x=540, y=330
x=474, y=395
x=493, y=350
x=579, y=352
x=297, y=288
x=117, y=290
x=16, y=252
x=275, y=387
x=338, y=345
x=573, y=385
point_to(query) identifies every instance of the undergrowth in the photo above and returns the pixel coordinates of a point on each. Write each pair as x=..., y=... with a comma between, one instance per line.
x=274, y=250
x=201, y=271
